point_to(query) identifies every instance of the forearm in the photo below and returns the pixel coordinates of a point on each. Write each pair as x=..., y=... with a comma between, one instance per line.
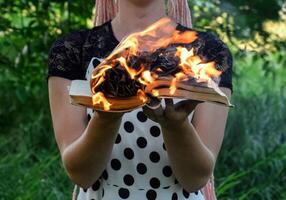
x=86, y=158
x=192, y=162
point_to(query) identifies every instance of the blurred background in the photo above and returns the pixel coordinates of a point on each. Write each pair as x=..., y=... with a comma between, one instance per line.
x=252, y=161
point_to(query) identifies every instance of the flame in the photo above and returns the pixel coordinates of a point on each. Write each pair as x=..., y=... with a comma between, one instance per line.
x=159, y=35
x=131, y=72
x=142, y=96
x=99, y=98
x=155, y=93
x=173, y=86
x=99, y=76
x=192, y=65
x=101, y=71
x=147, y=77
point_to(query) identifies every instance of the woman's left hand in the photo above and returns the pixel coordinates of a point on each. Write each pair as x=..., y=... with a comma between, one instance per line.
x=173, y=114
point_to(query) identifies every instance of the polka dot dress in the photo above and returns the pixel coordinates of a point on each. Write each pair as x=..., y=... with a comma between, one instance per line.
x=138, y=167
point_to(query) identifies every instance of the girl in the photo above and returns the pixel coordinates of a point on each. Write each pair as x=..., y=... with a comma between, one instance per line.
x=167, y=153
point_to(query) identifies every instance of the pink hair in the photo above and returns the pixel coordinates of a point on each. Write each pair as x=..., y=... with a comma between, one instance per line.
x=105, y=10
x=178, y=10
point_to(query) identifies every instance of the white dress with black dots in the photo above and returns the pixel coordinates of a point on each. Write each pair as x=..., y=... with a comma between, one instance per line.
x=139, y=167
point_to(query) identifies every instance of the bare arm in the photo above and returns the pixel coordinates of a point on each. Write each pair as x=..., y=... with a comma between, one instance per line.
x=192, y=147
x=85, y=147
x=209, y=121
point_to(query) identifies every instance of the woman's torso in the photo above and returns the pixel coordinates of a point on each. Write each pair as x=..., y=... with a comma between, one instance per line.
x=138, y=167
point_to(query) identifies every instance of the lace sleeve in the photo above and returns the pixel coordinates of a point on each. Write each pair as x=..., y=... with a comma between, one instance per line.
x=214, y=49
x=65, y=57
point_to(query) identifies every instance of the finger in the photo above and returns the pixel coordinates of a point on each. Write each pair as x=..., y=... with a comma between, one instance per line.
x=159, y=111
x=151, y=112
x=154, y=102
x=169, y=103
x=187, y=105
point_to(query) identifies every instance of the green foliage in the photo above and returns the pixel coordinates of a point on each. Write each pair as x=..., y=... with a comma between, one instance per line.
x=251, y=14
x=252, y=161
x=30, y=162
x=253, y=152
x=242, y=20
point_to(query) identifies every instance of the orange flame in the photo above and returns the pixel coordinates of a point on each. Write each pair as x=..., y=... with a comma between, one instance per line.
x=147, y=77
x=158, y=35
x=142, y=96
x=178, y=76
x=99, y=98
x=155, y=93
x=192, y=65
x=99, y=77
x=131, y=72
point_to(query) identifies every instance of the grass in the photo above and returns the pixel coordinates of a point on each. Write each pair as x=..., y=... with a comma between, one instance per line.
x=251, y=164
x=30, y=166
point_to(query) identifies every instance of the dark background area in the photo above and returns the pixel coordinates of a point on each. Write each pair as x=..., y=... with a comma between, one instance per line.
x=252, y=161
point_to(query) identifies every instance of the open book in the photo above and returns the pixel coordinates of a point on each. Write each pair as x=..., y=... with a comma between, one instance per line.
x=80, y=94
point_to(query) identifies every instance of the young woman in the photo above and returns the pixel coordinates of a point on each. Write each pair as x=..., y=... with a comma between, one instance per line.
x=167, y=153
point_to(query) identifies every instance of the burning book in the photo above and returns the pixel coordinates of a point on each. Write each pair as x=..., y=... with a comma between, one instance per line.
x=159, y=62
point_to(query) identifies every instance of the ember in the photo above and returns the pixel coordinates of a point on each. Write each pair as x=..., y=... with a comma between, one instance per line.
x=159, y=51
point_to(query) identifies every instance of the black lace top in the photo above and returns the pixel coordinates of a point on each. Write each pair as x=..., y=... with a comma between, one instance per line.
x=70, y=55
